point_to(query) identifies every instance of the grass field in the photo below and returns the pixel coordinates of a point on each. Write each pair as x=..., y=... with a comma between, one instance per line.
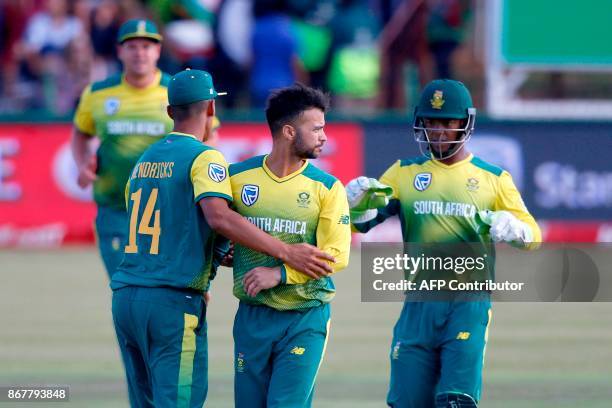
x=56, y=328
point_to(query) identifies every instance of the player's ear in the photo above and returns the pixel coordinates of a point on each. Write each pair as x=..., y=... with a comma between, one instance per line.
x=288, y=132
x=210, y=109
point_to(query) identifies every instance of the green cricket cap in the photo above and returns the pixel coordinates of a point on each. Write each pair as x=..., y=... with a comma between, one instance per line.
x=190, y=86
x=138, y=29
x=444, y=98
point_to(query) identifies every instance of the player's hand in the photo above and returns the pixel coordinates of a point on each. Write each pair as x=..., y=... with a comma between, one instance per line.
x=228, y=259
x=260, y=278
x=365, y=196
x=309, y=260
x=87, y=172
x=505, y=227
x=207, y=297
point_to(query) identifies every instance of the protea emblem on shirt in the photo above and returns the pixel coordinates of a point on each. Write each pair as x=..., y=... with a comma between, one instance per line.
x=250, y=194
x=111, y=106
x=216, y=172
x=472, y=184
x=422, y=181
x=303, y=199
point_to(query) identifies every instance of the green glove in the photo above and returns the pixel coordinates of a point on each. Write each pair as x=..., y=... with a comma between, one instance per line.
x=365, y=196
x=484, y=220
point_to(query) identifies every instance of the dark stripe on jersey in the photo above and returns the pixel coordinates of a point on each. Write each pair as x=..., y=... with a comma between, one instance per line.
x=414, y=160
x=487, y=166
x=106, y=83
x=252, y=163
x=319, y=175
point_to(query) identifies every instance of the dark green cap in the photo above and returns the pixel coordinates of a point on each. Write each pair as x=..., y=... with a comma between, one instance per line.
x=444, y=98
x=191, y=85
x=138, y=29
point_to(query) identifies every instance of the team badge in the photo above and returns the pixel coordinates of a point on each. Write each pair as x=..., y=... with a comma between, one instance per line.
x=437, y=101
x=472, y=184
x=298, y=351
x=111, y=106
x=216, y=172
x=303, y=199
x=240, y=363
x=250, y=194
x=422, y=181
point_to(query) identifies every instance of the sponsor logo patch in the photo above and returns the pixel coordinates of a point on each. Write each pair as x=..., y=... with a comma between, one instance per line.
x=250, y=194
x=422, y=181
x=216, y=172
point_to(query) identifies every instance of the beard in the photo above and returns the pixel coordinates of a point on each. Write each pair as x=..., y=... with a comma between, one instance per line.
x=301, y=150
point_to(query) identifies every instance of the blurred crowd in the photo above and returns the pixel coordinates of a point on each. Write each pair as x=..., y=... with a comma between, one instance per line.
x=355, y=49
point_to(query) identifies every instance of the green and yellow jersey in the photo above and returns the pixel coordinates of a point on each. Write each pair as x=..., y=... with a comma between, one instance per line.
x=170, y=244
x=438, y=203
x=127, y=120
x=308, y=206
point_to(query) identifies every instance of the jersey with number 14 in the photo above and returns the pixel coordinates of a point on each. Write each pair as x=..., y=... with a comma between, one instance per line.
x=169, y=242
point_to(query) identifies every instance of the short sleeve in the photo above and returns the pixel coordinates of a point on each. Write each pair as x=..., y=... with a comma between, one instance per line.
x=83, y=118
x=390, y=178
x=509, y=199
x=210, y=177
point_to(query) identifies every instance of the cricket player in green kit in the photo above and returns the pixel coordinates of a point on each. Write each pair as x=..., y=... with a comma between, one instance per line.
x=438, y=347
x=177, y=199
x=282, y=324
x=127, y=112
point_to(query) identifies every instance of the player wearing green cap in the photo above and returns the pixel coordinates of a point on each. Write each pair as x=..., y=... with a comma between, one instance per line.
x=127, y=112
x=437, y=352
x=177, y=199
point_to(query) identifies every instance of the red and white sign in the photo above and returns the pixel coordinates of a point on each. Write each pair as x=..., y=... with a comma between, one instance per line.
x=42, y=206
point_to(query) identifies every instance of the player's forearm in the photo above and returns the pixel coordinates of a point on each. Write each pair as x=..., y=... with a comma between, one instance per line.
x=333, y=238
x=292, y=276
x=234, y=227
x=79, y=145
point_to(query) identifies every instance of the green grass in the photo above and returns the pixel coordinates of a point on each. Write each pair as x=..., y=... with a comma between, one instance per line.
x=56, y=328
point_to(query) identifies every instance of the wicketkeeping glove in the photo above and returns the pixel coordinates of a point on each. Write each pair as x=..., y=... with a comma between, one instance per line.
x=365, y=195
x=505, y=227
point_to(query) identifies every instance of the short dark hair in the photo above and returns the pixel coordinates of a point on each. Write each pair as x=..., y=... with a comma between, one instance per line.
x=287, y=104
x=183, y=112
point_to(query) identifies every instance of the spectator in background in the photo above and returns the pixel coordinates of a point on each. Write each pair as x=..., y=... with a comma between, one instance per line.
x=232, y=55
x=275, y=61
x=49, y=32
x=354, y=71
x=312, y=24
x=188, y=32
x=77, y=74
x=446, y=30
x=403, y=39
x=42, y=50
x=104, y=25
x=15, y=16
